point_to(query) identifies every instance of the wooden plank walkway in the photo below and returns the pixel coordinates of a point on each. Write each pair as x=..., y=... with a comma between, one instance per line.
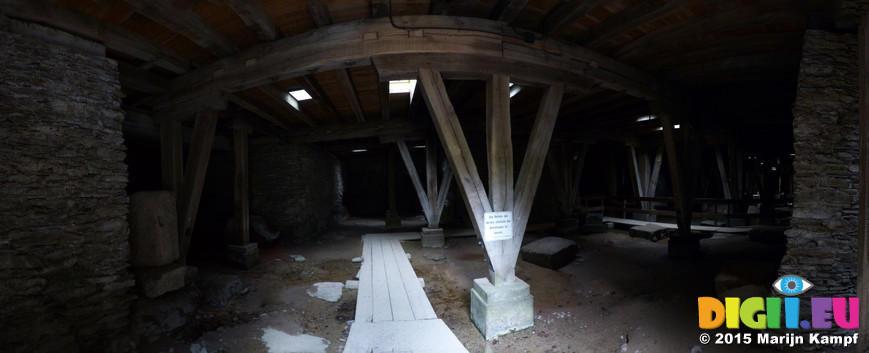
x=392, y=312
x=633, y=222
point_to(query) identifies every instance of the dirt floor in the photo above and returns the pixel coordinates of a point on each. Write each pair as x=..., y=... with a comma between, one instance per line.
x=621, y=294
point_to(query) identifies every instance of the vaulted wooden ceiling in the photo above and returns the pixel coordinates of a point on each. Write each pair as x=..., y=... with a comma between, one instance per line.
x=691, y=48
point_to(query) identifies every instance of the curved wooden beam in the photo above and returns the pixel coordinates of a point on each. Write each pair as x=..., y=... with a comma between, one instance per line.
x=472, y=45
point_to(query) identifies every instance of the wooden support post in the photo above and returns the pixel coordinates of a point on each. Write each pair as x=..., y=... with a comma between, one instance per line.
x=431, y=180
x=653, y=179
x=499, y=148
x=172, y=157
x=573, y=191
x=532, y=163
x=863, y=193
x=414, y=177
x=725, y=184
x=194, y=175
x=242, y=202
x=677, y=177
x=635, y=175
x=443, y=190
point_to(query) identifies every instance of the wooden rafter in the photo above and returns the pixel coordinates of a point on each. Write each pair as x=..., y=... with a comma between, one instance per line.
x=349, y=89
x=320, y=14
x=464, y=50
x=310, y=84
x=421, y=194
x=113, y=37
x=141, y=80
x=507, y=10
x=565, y=14
x=626, y=20
x=254, y=17
x=264, y=113
x=187, y=23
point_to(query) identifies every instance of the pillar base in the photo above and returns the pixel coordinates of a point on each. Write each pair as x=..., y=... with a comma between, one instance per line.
x=245, y=256
x=683, y=247
x=392, y=221
x=156, y=281
x=499, y=310
x=432, y=237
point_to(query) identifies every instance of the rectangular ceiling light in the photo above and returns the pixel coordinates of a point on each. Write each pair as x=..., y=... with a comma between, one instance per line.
x=300, y=95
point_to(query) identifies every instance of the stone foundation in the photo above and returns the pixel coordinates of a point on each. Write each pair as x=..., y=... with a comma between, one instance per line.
x=64, y=251
x=499, y=310
x=822, y=241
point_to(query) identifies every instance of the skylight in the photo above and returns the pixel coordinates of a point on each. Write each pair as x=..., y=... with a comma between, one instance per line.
x=402, y=86
x=646, y=118
x=358, y=150
x=300, y=95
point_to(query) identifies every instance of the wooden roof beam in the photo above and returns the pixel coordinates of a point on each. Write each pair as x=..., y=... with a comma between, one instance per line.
x=507, y=10
x=187, y=23
x=141, y=80
x=399, y=54
x=113, y=37
x=254, y=17
x=624, y=21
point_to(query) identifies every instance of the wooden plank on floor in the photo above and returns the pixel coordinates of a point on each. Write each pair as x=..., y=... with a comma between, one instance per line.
x=382, y=308
x=364, y=296
x=420, y=336
x=401, y=310
x=422, y=308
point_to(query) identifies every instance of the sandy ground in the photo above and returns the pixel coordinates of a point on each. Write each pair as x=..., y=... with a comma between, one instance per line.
x=621, y=294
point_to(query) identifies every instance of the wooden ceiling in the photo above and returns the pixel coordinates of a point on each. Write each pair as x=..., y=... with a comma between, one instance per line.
x=689, y=48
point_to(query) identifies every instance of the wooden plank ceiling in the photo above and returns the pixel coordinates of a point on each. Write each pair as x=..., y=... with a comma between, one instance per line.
x=693, y=45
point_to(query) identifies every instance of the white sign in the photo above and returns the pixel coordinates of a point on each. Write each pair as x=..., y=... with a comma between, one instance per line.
x=497, y=225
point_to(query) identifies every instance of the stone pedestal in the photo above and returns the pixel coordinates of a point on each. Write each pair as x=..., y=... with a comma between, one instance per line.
x=683, y=247
x=432, y=237
x=246, y=256
x=392, y=221
x=499, y=310
x=156, y=281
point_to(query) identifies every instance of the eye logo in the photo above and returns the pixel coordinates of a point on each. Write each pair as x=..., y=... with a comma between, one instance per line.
x=791, y=285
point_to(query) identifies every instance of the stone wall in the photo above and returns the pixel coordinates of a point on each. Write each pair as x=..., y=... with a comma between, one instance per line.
x=64, y=284
x=822, y=240
x=297, y=188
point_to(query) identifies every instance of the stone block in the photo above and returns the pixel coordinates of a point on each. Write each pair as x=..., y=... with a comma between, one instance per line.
x=499, y=310
x=550, y=252
x=153, y=229
x=683, y=247
x=156, y=281
x=649, y=231
x=432, y=237
x=245, y=256
x=593, y=224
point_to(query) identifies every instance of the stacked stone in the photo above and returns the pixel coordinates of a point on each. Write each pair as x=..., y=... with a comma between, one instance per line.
x=64, y=284
x=822, y=240
x=295, y=187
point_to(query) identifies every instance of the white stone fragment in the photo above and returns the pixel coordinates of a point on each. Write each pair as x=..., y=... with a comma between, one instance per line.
x=328, y=291
x=357, y=259
x=351, y=284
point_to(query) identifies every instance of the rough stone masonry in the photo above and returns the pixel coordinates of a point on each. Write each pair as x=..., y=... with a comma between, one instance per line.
x=822, y=241
x=64, y=284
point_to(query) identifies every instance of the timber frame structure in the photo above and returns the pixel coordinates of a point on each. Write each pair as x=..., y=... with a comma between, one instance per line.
x=634, y=76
